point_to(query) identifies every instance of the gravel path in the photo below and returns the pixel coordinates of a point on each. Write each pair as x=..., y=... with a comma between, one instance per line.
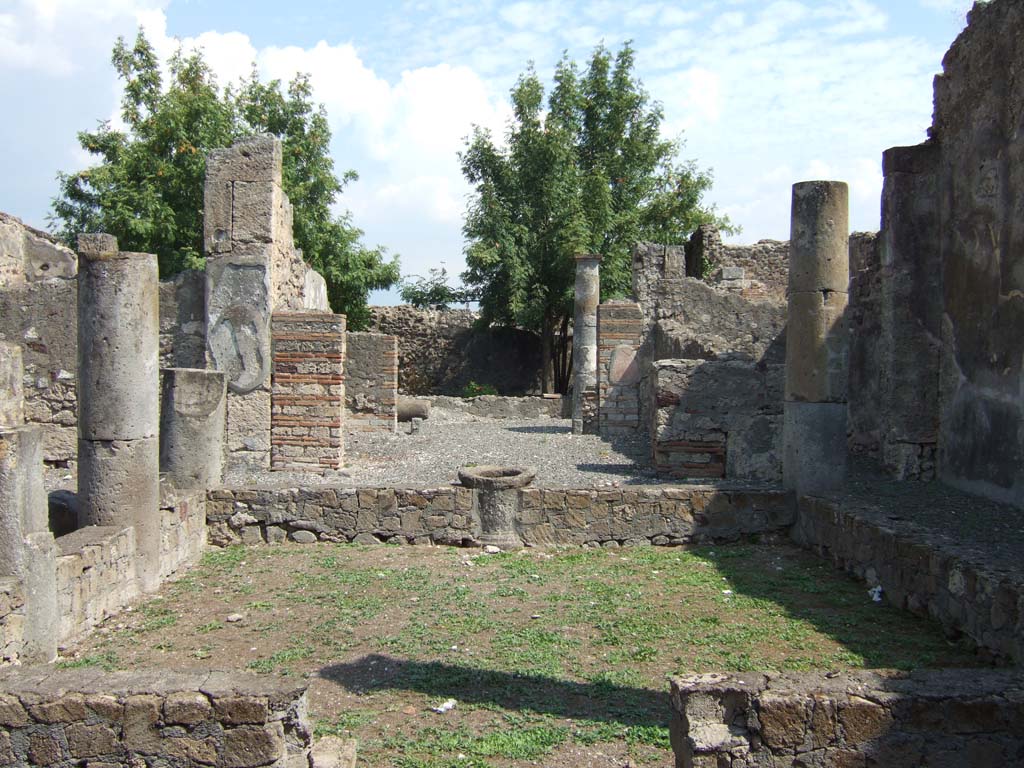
x=449, y=440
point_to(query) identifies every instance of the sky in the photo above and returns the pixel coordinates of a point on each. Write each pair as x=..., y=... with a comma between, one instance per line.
x=765, y=94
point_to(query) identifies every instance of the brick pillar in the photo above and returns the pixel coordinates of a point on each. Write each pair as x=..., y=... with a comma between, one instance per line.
x=308, y=392
x=620, y=328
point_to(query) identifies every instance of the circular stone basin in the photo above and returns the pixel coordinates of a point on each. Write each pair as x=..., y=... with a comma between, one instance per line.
x=495, y=478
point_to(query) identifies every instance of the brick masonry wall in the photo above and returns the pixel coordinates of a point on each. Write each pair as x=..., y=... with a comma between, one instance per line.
x=920, y=572
x=642, y=515
x=935, y=717
x=177, y=720
x=371, y=382
x=307, y=391
x=620, y=330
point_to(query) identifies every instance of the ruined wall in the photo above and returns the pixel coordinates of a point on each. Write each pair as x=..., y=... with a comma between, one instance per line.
x=717, y=418
x=173, y=719
x=764, y=263
x=12, y=620
x=864, y=319
x=371, y=382
x=638, y=515
x=28, y=255
x=793, y=720
x=440, y=351
x=978, y=108
x=712, y=368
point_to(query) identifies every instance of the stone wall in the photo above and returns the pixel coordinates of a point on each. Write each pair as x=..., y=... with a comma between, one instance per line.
x=96, y=574
x=441, y=351
x=978, y=105
x=620, y=331
x=919, y=571
x=69, y=718
x=308, y=392
x=637, y=515
x=792, y=720
x=764, y=265
x=717, y=418
x=371, y=382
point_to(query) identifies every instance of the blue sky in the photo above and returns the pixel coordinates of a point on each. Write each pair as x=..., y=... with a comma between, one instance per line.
x=764, y=93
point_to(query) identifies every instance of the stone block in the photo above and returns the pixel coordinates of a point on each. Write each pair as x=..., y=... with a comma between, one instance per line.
x=91, y=740
x=250, y=746
x=254, y=208
x=241, y=710
x=186, y=708
x=257, y=158
x=238, y=319
x=217, y=200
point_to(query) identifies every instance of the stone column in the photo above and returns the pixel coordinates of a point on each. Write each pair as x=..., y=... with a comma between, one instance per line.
x=817, y=343
x=192, y=407
x=27, y=551
x=584, y=342
x=119, y=395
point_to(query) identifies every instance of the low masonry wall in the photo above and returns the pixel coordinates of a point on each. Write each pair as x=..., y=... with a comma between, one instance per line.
x=937, y=718
x=66, y=718
x=500, y=407
x=638, y=515
x=96, y=574
x=920, y=572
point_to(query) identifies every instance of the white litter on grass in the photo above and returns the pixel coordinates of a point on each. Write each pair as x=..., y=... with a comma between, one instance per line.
x=876, y=594
x=726, y=591
x=447, y=706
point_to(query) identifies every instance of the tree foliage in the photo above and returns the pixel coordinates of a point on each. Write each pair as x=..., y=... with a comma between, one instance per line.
x=433, y=291
x=587, y=172
x=147, y=188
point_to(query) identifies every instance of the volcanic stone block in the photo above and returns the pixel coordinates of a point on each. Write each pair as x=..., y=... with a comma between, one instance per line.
x=819, y=241
x=817, y=344
x=192, y=416
x=118, y=344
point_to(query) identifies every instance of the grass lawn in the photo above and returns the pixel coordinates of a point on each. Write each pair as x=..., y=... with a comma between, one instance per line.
x=554, y=658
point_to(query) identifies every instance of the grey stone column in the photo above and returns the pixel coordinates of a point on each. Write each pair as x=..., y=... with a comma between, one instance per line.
x=119, y=395
x=192, y=408
x=584, y=341
x=27, y=550
x=817, y=342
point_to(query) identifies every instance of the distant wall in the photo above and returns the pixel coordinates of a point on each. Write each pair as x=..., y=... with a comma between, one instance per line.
x=371, y=382
x=766, y=261
x=440, y=351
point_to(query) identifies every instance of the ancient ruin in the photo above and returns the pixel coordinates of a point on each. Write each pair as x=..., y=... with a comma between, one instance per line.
x=829, y=389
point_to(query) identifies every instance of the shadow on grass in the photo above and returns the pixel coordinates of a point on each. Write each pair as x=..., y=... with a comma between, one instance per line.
x=601, y=701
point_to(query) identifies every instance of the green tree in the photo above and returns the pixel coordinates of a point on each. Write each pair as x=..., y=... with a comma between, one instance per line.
x=592, y=174
x=147, y=188
x=433, y=291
